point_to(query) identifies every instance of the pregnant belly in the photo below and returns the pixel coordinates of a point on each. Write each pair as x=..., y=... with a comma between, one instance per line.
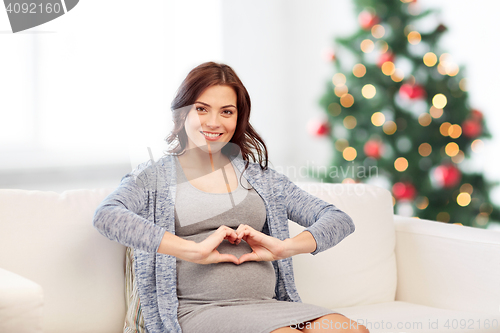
x=226, y=281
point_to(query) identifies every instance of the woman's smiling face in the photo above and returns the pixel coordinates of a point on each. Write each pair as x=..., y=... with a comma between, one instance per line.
x=214, y=111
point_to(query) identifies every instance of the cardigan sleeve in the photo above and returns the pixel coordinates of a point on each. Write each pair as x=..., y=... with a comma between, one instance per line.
x=328, y=224
x=117, y=217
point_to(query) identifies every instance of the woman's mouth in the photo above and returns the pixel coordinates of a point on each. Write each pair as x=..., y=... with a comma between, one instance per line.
x=211, y=136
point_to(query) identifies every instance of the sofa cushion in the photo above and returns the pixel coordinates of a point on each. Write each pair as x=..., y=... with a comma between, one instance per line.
x=53, y=243
x=448, y=266
x=21, y=304
x=408, y=317
x=361, y=269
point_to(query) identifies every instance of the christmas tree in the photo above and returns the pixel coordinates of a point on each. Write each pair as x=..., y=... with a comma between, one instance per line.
x=398, y=116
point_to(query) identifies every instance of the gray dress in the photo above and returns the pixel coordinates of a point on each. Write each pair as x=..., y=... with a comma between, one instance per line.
x=225, y=297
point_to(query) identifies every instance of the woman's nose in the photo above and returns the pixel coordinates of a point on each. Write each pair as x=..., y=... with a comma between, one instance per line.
x=213, y=120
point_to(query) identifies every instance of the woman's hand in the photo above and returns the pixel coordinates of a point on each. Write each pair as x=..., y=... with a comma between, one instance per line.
x=205, y=252
x=265, y=248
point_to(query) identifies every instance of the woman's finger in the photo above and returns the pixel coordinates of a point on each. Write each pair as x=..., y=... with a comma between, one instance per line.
x=239, y=232
x=214, y=239
x=232, y=237
x=225, y=257
x=255, y=236
x=240, y=228
x=249, y=257
x=244, y=229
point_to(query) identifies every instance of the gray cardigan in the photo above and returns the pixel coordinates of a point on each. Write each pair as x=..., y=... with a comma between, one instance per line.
x=141, y=209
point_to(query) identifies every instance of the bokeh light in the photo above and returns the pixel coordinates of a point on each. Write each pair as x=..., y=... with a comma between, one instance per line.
x=339, y=79
x=435, y=112
x=401, y=164
x=441, y=69
x=459, y=157
x=341, y=90
x=424, y=119
x=347, y=100
x=463, y=199
x=414, y=37
x=481, y=219
x=430, y=59
x=368, y=91
x=452, y=69
x=422, y=202
x=388, y=68
x=382, y=46
x=466, y=188
x=367, y=46
x=398, y=75
x=439, y=101
x=425, y=149
x=454, y=131
x=378, y=119
x=447, y=66
x=451, y=149
x=443, y=129
x=477, y=145
x=389, y=127
x=359, y=70
x=378, y=31
x=349, y=154
x=444, y=57
x=350, y=122
x=463, y=84
x=443, y=217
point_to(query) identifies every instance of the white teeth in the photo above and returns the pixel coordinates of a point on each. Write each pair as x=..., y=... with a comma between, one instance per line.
x=211, y=135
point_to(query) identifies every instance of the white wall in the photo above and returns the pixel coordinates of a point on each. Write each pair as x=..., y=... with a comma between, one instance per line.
x=92, y=89
x=277, y=48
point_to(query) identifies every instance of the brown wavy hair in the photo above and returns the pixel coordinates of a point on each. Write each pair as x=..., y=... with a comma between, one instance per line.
x=245, y=137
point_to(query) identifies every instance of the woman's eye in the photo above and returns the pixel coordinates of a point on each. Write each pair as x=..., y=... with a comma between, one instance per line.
x=201, y=109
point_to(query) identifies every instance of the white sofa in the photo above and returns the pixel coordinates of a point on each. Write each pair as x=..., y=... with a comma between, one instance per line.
x=393, y=274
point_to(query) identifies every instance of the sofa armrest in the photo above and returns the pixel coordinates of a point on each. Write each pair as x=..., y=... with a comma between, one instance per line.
x=21, y=304
x=447, y=266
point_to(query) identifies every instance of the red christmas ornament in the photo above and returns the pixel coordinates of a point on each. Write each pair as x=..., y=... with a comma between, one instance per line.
x=404, y=191
x=472, y=128
x=373, y=149
x=319, y=128
x=441, y=28
x=386, y=56
x=447, y=175
x=367, y=19
x=477, y=115
x=329, y=55
x=408, y=91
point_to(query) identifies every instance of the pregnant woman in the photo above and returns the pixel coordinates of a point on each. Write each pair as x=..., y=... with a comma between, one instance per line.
x=208, y=223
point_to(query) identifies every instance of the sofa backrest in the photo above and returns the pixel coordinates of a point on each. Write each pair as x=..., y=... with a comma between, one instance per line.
x=361, y=269
x=49, y=238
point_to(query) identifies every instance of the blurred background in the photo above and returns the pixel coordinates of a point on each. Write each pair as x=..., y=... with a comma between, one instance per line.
x=83, y=96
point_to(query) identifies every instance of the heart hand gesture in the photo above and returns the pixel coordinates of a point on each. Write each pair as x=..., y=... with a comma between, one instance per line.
x=206, y=251
x=265, y=248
